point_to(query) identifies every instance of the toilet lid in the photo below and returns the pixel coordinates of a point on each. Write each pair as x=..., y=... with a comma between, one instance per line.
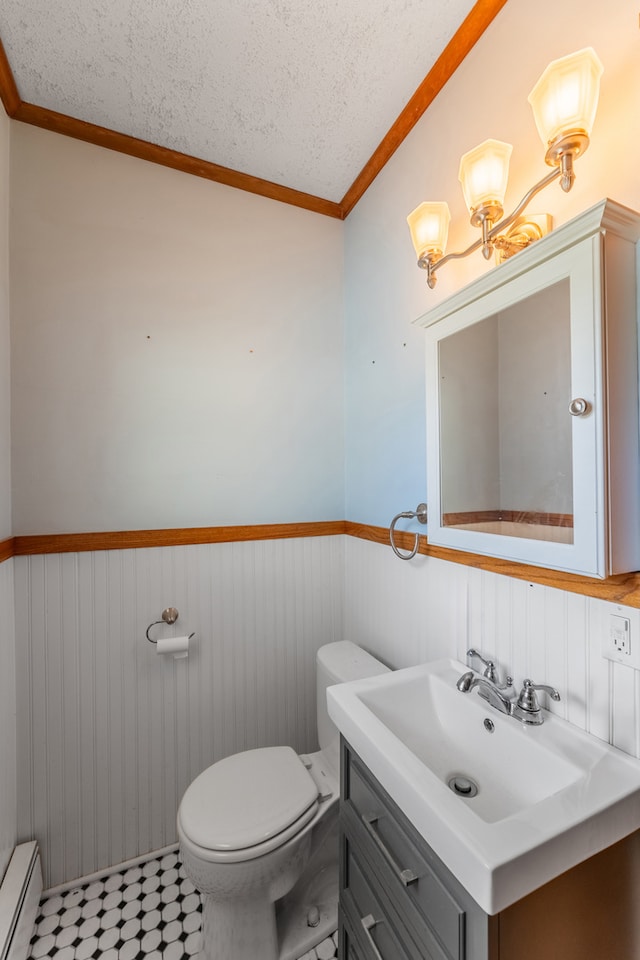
x=246, y=799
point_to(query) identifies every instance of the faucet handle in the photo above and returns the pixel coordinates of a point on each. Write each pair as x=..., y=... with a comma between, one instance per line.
x=528, y=699
x=490, y=671
x=489, y=666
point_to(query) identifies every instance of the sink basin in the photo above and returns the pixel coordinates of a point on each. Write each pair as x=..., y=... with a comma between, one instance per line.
x=547, y=797
x=512, y=768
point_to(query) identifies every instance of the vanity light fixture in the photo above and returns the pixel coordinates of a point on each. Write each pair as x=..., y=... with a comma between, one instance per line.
x=564, y=102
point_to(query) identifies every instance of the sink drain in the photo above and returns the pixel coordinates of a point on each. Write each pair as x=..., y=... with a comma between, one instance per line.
x=463, y=786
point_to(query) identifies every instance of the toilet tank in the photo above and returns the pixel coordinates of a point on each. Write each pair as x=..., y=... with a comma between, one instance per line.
x=337, y=663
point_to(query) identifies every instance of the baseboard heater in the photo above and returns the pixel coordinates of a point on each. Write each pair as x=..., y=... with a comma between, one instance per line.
x=19, y=898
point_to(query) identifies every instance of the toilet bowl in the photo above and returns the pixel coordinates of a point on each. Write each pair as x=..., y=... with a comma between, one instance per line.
x=258, y=836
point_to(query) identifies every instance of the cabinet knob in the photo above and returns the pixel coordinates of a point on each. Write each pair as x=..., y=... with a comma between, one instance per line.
x=578, y=407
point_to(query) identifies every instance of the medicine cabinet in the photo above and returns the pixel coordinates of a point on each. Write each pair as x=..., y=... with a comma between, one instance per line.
x=532, y=403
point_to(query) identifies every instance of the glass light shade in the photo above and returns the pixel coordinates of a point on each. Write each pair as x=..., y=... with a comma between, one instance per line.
x=565, y=98
x=484, y=172
x=429, y=226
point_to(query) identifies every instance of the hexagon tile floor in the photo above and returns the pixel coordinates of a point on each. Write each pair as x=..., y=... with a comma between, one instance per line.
x=148, y=912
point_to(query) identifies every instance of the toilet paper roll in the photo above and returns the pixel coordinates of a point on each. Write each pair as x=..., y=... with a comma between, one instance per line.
x=178, y=647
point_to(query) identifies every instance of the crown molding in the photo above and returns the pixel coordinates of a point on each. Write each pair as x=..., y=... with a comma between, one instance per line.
x=8, y=89
x=153, y=153
x=463, y=40
x=454, y=53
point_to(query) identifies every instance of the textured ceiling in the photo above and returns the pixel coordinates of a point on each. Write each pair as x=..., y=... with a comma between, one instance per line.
x=298, y=92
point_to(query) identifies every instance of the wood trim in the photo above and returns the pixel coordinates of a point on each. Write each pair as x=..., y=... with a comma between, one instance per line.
x=112, y=140
x=8, y=89
x=508, y=516
x=172, y=537
x=623, y=588
x=365, y=531
x=6, y=549
x=471, y=516
x=443, y=69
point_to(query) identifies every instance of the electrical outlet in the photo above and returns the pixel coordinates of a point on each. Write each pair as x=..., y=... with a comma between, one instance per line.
x=617, y=645
x=619, y=635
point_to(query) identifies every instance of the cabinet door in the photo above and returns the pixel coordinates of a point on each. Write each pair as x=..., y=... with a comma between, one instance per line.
x=409, y=880
x=511, y=472
x=375, y=924
x=383, y=857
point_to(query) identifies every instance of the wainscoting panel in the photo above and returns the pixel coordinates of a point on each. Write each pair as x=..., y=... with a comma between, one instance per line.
x=8, y=833
x=111, y=733
x=419, y=610
x=404, y=612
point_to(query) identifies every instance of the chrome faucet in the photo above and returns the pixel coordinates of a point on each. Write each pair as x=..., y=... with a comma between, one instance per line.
x=490, y=671
x=526, y=708
x=487, y=690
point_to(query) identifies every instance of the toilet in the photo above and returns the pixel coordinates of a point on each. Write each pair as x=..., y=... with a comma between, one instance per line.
x=258, y=836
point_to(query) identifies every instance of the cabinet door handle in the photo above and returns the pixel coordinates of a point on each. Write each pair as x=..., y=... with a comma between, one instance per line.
x=404, y=876
x=367, y=923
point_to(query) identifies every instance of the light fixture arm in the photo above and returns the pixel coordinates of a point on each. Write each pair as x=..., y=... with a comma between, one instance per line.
x=528, y=197
x=431, y=264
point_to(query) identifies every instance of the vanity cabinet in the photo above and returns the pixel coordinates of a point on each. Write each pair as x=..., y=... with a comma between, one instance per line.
x=532, y=403
x=398, y=901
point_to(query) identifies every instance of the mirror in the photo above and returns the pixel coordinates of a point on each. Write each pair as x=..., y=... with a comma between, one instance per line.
x=505, y=429
x=532, y=404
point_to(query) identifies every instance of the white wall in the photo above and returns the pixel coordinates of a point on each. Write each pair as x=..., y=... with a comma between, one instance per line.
x=412, y=612
x=110, y=733
x=385, y=292
x=176, y=350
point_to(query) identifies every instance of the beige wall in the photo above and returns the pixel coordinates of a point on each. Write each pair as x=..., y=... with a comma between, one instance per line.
x=176, y=348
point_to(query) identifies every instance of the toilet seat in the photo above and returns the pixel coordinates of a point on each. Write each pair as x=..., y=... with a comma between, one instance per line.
x=247, y=804
x=247, y=853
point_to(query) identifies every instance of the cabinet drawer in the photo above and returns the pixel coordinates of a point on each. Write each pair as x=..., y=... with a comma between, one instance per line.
x=370, y=920
x=404, y=870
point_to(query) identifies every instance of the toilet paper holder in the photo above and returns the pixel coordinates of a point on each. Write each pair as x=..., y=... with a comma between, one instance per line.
x=169, y=615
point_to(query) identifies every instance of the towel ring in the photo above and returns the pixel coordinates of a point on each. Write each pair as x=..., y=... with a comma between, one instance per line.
x=419, y=514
